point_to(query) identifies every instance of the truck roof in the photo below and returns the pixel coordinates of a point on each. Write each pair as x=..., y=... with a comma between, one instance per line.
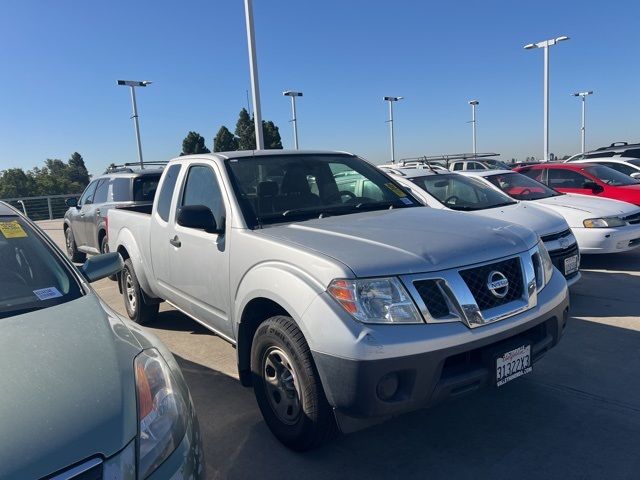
x=259, y=153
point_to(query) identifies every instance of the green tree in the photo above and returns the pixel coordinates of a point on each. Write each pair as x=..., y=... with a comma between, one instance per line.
x=272, y=140
x=14, y=182
x=245, y=131
x=224, y=141
x=78, y=173
x=194, y=143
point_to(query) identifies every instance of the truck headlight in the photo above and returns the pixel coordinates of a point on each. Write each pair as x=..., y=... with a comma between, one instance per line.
x=375, y=300
x=162, y=410
x=543, y=265
x=604, y=222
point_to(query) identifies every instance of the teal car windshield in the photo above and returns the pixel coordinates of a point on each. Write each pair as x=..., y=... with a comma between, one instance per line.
x=32, y=276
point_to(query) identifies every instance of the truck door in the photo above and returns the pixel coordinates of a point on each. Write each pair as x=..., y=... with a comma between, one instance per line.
x=200, y=260
x=160, y=231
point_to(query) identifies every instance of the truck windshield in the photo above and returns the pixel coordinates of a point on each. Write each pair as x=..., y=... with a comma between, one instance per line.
x=458, y=192
x=282, y=188
x=521, y=187
x=32, y=277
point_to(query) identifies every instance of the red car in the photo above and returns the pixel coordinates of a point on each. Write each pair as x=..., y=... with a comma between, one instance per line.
x=586, y=179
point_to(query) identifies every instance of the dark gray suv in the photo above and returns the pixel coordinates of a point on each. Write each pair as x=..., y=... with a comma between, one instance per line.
x=85, y=222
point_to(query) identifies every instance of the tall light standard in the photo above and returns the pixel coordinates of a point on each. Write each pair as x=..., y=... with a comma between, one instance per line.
x=132, y=84
x=583, y=97
x=545, y=45
x=473, y=104
x=253, y=69
x=391, y=100
x=294, y=119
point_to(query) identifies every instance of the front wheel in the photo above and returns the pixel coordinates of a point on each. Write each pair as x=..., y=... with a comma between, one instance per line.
x=287, y=386
x=137, y=307
x=72, y=249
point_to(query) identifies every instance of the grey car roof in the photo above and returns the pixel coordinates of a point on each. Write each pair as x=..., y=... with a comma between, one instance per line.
x=133, y=174
x=415, y=172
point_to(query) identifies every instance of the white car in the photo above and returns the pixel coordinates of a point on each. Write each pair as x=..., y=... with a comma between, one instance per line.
x=628, y=166
x=463, y=165
x=453, y=191
x=601, y=225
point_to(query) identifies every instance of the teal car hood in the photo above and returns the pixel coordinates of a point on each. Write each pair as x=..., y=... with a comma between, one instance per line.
x=68, y=390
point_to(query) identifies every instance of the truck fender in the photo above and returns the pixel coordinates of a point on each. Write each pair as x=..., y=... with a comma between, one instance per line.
x=128, y=248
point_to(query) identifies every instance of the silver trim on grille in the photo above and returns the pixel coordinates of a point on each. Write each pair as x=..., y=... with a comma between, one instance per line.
x=458, y=295
x=78, y=469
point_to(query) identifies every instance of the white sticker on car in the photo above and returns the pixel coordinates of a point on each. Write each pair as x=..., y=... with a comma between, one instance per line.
x=47, y=293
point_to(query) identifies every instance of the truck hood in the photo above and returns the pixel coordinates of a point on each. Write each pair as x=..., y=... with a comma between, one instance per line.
x=406, y=240
x=538, y=219
x=592, y=206
x=68, y=387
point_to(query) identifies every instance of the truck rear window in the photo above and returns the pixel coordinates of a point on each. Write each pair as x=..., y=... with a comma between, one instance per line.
x=144, y=188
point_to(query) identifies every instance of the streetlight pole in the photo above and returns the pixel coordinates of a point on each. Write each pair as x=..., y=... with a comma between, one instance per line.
x=294, y=119
x=132, y=84
x=583, y=97
x=253, y=69
x=390, y=121
x=473, y=104
x=545, y=46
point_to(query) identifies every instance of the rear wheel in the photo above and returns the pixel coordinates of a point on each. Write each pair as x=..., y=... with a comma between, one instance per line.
x=72, y=249
x=287, y=386
x=138, y=309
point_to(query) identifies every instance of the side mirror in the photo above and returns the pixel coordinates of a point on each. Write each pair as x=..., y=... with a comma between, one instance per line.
x=198, y=217
x=71, y=202
x=635, y=175
x=102, y=266
x=593, y=186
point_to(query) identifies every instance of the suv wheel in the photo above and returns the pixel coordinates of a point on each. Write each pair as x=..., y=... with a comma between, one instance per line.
x=287, y=386
x=104, y=244
x=72, y=250
x=138, y=309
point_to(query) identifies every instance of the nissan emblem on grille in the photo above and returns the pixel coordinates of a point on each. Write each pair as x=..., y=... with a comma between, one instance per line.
x=498, y=284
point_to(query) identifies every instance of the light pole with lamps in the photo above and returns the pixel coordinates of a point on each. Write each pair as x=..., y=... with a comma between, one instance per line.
x=391, y=100
x=132, y=84
x=253, y=69
x=545, y=46
x=473, y=104
x=583, y=97
x=294, y=119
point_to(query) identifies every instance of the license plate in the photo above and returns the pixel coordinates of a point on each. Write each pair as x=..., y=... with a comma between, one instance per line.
x=570, y=264
x=513, y=364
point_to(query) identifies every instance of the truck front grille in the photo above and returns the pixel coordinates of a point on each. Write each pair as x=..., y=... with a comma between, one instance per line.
x=432, y=297
x=556, y=236
x=558, y=257
x=477, y=279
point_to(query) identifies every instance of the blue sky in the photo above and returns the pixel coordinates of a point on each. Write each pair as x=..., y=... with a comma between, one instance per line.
x=60, y=61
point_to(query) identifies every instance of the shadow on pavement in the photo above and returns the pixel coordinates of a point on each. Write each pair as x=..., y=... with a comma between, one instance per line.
x=625, y=262
x=606, y=294
x=176, y=321
x=577, y=415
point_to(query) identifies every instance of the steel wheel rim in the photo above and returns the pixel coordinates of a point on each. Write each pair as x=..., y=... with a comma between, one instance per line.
x=130, y=291
x=67, y=238
x=281, y=385
x=105, y=247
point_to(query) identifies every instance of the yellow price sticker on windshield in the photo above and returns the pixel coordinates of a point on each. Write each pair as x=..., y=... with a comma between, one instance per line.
x=12, y=230
x=395, y=190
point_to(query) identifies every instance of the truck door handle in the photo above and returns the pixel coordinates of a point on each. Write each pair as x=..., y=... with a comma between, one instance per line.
x=175, y=241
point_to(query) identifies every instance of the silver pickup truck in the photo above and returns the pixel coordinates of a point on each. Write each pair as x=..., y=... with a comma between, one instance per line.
x=346, y=300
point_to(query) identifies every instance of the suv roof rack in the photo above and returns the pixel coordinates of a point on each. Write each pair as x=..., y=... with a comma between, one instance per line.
x=127, y=167
x=440, y=159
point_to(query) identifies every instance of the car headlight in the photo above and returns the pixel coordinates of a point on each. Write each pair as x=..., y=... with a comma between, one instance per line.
x=162, y=408
x=604, y=222
x=375, y=300
x=543, y=265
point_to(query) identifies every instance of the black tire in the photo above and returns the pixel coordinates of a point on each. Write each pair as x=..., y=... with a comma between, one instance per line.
x=138, y=308
x=72, y=249
x=104, y=244
x=296, y=409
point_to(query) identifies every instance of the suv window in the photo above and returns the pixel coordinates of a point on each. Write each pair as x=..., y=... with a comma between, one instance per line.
x=620, y=167
x=101, y=191
x=633, y=153
x=600, y=155
x=560, y=178
x=202, y=188
x=120, y=189
x=166, y=192
x=87, y=196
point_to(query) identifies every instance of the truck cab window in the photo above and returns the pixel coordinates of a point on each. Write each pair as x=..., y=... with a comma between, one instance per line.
x=202, y=188
x=166, y=192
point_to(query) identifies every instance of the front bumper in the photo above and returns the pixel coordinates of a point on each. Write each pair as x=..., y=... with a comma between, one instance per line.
x=432, y=362
x=607, y=240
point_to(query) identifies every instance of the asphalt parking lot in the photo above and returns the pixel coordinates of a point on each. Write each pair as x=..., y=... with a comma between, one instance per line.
x=577, y=415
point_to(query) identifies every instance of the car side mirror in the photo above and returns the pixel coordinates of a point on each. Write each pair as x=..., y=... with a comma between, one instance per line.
x=593, y=186
x=102, y=266
x=71, y=202
x=199, y=217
